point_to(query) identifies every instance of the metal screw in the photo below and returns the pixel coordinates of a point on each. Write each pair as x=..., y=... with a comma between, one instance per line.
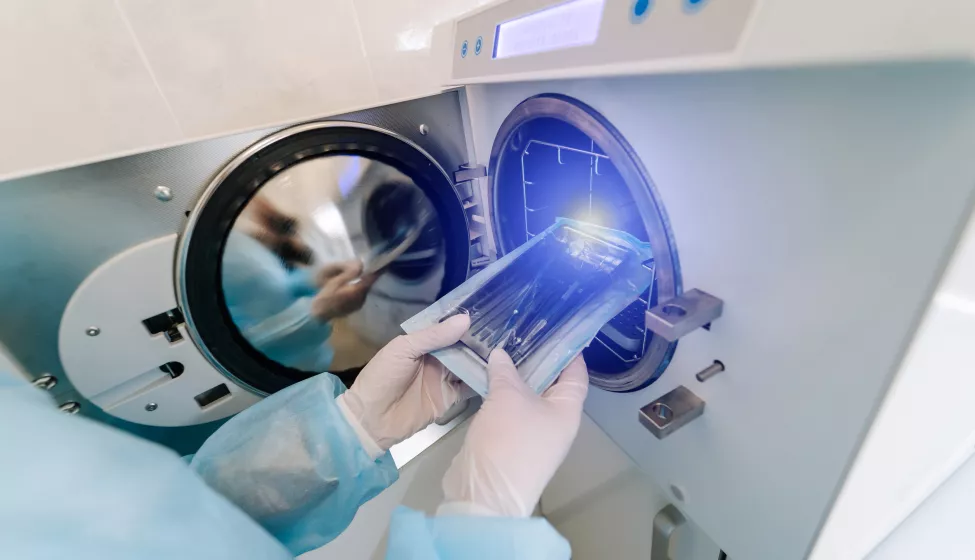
x=164, y=194
x=93, y=331
x=424, y=129
x=710, y=371
x=46, y=382
x=677, y=492
x=70, y=407
x=151, y=406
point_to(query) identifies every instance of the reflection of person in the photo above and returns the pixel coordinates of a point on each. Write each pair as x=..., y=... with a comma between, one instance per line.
x=285, y=311
x=288, y=474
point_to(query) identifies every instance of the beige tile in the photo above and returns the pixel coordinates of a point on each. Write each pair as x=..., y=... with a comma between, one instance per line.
x=231, y=64
x=397, y=36
x=74, y=87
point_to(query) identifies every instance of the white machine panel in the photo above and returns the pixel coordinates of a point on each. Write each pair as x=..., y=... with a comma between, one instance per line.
x=821, y=205
x=517, y=37
x=111, y=358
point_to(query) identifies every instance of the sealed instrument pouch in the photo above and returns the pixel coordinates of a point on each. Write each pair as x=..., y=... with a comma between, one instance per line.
x=543, y=302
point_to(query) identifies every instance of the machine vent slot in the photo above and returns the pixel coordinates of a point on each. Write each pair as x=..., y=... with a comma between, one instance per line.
x=210, y=396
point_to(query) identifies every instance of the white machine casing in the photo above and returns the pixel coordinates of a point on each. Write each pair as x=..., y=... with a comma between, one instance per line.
x=814, y=161
x=815, y=165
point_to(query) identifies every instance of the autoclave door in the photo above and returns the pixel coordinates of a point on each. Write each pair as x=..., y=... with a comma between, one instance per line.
x=339, y=188
x=285, y=227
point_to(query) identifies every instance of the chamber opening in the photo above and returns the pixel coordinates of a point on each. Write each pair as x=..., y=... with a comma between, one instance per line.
x=309, y=249
x=559, y=158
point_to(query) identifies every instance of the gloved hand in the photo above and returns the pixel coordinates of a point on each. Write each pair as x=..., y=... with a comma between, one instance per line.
x=515, y=443
x=341, y=293
x=402, y=389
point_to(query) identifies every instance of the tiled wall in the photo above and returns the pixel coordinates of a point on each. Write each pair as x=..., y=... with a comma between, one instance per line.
x=91, y=79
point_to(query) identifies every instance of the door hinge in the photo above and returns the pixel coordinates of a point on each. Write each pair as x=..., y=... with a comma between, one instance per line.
x=683, y=314
x=469, y=171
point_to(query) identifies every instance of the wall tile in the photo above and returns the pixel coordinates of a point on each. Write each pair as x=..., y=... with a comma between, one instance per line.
x=227, y=65
x=74, y=87
x=397, y=37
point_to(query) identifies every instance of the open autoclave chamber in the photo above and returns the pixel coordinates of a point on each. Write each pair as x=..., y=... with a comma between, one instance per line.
x=820, y=205
x=554, y=156
x=546, y=163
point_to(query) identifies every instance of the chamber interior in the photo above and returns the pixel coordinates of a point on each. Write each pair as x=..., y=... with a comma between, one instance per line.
x=552, y=169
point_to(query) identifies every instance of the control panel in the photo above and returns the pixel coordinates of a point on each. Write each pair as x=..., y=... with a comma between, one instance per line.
x=522, y=36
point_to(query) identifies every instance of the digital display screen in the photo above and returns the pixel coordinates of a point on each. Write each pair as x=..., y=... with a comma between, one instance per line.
x=570, y=24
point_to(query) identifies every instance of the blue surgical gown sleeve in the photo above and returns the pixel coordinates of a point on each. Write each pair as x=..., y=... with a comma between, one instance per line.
x=73, y=488
x=415, y=536
x=294, y=464
x=283, y=477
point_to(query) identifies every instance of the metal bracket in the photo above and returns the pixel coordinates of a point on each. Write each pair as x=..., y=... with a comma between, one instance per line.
x=469, y=171
x=670, y=412
x=464, y=191
x=685, y=313
x=665, y=525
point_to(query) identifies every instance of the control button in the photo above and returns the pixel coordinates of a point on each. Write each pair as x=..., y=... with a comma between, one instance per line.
x=694, y=5
x=463, y=50
x=641, y=9
x=477, y=46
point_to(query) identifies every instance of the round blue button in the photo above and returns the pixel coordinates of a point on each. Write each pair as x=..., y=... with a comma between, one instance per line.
x=477, y=46
x=463, y=50
x=641, y=9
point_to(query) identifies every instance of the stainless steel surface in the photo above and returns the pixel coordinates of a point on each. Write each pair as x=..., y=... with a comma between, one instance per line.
x=376, y=331
x=406, y=451
x=710, y=371
x=46, y=382
x=57, y=227
x=469, y=171
x=70, y=407
x=670, y=412
x=164, y=194
x=683, y=314
x=151, y=406
x=309, y=248
x=665, y=527
x=93, y=331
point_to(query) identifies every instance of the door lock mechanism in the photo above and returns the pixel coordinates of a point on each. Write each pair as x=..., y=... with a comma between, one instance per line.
x=683, y=314
x=670, y=412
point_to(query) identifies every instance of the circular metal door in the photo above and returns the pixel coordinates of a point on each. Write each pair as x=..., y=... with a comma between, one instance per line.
x=307, y=251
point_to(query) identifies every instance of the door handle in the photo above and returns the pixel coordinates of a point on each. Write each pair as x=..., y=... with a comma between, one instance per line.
x=665, y=525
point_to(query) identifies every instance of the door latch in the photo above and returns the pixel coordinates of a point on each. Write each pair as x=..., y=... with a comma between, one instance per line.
x=670, y=412
x=468, y=172
x=683, y=314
